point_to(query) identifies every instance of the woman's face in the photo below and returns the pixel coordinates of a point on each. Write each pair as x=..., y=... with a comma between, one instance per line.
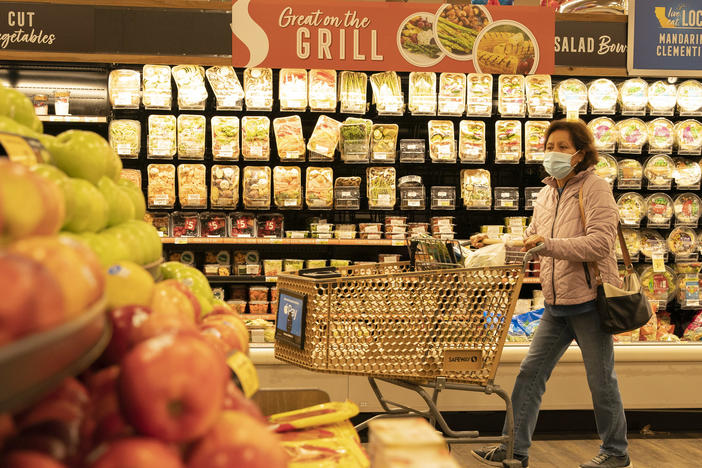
x=561, y=142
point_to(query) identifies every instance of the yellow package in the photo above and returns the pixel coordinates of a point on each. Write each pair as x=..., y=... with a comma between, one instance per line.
x=331, y=431
x=318, y=415
x=327, y=453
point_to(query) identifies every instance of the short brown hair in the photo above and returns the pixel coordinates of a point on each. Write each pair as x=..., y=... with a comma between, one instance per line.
x=582, y=140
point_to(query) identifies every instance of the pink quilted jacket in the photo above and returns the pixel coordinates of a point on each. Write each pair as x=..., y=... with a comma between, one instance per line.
x=567, y=244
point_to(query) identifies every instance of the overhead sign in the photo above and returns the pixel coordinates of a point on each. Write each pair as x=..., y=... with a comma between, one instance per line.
x=665, y=37
x=392, y=36
x=590, y=43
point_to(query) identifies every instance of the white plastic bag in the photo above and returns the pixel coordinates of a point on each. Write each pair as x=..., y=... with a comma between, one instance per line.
x=491, y=255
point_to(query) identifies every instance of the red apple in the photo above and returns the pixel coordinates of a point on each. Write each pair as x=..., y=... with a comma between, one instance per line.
x=125, y=320
x=138, y=453
x=233, y=322
x=173, y=297
x=29, y=459
x=222, y=309
x=222, y=336
x=104, y=421
x=7, y=428
x=73, y=391
x=163, y=323
x=238, y=440
x=172, y=387
x=51, y=410
x=102, y=381
x=235, y=400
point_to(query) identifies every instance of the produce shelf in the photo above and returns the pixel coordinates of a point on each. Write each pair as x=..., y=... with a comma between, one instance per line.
x=73, y=118
x=263, y=241
x=240, y=279
x=258, y=316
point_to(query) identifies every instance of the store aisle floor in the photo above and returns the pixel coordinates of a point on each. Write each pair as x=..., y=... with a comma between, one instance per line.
x=646, y=453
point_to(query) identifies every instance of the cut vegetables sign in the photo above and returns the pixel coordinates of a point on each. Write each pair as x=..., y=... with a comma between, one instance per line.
x=392, y=36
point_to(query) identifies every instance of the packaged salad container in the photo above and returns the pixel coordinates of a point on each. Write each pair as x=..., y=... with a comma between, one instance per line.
x=534, y=140
x=224, y=186
x=629, y=174
x=192, y=188
x=633, y=134
x=258, y=88
x=442, y=145
x=605, y=132
x=659, y=287
x=633, y=95
x=384, y=142
x=270, y=225
x=452, y=93
x=603, y=96
x=659, y=208
x=661, y=135
x=161, y=221
x=255, y=138
x=652, y=243
x=662, y=98
x=688, y=136
x=191, y=136
x=125, y=138
x=659, y=170
x=687, y=173
x=632, y=208
x=322, y=90
x=387, y=93
x=571, y=94
x=190, y=81
x=682, y=241
x=511, y=100
x=161, y=191
x=479, y=94
x=476, y=189
x=292, y=89
x=157, y=87
x=606, y=168
x=124, y=89
x=412, y=150
x=324, y=139
x=506, y=198
x=227, y=87
x=687, y=207
x=632, y=239
x=319, y=185
x=161, y=139
x=471, y=141
x=442, y=198
x=132, y=175
x=422, y=93
x=689, y=97
x=508, y=141
x=289, y=139
x=539, y=94
x=352, y=92
x=185, y=224
x=530, y=196
x=242, y=225
x=380, y=186
x=347, y=193
x=287, y=187
x=256, y=187
x=354, y=140
x=225, y=138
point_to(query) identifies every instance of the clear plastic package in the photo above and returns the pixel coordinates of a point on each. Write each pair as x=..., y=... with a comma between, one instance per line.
x=659, y=170
x=629, y=174
x=687, y=207
x=242, y=225
x=605, y=132
x=658, y=286
x=292, y=89
x=256, y=187
x=270, y=225
x=476, y=189
x=412, y=151
x=191, y=136
x=125, y=137
x=687, y=173
x=287, y=187
x=352, y=92
x=508, y=141
x=190, y=81
x=192, y=187
x=387, y=93
x=633, y=135
x=534, y=140
x=324, y=139
x=161, y=191
x=530, y=196
x=412, y=193
x=289, y=139
x=632, y=239
x=132, y=175
x=213, y=225
x=479, y=94
x=603, y=96
x=689, y=97
x=322, y=90
x=539, y=94
x=157, y=92
x=443, y=198
x=452, y=93
x=688, y=136
x=255, y=138
x=354, y=140
x=471, y=141
x=258, y=88
x=161, y=221
x=124, y=89
x=161, y=140
x=652, y=243
x=571, y=94
x=633, y=95
x=422, y=93
x=225, y=138
x=380, y=185
x=662, y=97
x=319, y=188
x=185, y=224
x=511, y=99
x=442, y=144
x=659, y=208
x=682, y=241
x=606, y=168
x=632, y=208
x=384, y=143
x=224, y=186
x=227, y=87
x=506, y=198
x=661, y=135
x=347, y=193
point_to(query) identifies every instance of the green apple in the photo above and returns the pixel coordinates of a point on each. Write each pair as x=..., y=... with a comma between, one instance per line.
x=150, y=239
x=114, y=168
x=82, y=154
x=19, y=108
x=119, y=204
x=132, y=239
x=110, y=249
x=197, y=280
x=50, y=172
x=86, y=207
x=136, y=195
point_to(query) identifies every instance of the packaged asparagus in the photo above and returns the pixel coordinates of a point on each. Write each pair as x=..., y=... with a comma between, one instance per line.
x=255, y=138
x=387, y=93
x=227, y=88
x=471, y=141
x=292, y=89
x=157, y=86
x=422, y=93
x=190, y=81
x=322, y=90
x=452, y=94
x=380, y=185
x=479, y=94
x=288, y=138
x=225, y=138
x=352, y=92
x=258, y=87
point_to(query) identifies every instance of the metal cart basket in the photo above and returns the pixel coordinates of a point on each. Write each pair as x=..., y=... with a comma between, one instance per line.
x=421, y=324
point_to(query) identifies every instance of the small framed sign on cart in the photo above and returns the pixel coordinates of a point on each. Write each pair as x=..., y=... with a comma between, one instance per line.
x=291, y=318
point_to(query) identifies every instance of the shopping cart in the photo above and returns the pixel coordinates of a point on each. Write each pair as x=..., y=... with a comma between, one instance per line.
x=426, y=324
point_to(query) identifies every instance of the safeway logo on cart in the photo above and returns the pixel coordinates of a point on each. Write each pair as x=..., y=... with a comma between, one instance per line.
x=462, y=360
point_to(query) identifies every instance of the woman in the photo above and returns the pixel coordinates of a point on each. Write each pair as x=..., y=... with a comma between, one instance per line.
x=569, y=294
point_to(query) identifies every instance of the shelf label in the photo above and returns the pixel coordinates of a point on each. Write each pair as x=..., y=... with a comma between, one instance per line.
x=180, y=240
x=245, y=371
x=18, y=149
x=658, y=260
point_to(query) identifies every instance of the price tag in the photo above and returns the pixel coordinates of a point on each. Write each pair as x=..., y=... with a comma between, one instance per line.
x=322, y=241
x=224, y=153
x=397, y=243
x=297, y=235
x=444, y=202
x=161, y=200
x=18, y=149
x=124, y=148
x=271, y=279
x=253, y=269
x=658, y=260
x=290, y=203
x=508, y=203
x=181, y=240
x=244, y=369
x=256, y=151
x=292, y=155
x=380, y=156
x=123, y=99
x=441, y=194
x=414, y=203
x=692, y=290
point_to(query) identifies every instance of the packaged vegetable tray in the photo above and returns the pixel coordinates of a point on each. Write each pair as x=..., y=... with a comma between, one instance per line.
x=633, y=95
x=161, y=191
x=422, y=93
x=534, y=140
x=157, y=92
x=322, y=90
x=190, y=81
x=479, y=94
x=125, y=137
x=226, y=86
x=352, y=92
x=191, y=136
x=508, y=141
x=255, y=138
x=192, y=188
x=476, y=189
x=511, y=99
x=161, y=140
x=324, y=139
x=606, y=168
x=287, y=187
x=289, y=139
x=124, y=89
x=383, y=142
x=225, y=138
x=224, y=186
x=471, y=141
x=442, y=144
x=662, y=97
x=256, y=187
x=661, y=134
x=387, y=92
x=292, y=89
x=539, y=95
x=319, y=185
x=380, y=186
x=605, y=133
x=258, y=88
x=452, y=93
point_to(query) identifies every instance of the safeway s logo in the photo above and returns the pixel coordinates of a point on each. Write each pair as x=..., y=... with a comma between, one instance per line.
x=679, y=17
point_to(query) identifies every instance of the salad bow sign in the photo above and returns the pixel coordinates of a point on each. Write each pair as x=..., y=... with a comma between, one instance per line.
x=375, y=36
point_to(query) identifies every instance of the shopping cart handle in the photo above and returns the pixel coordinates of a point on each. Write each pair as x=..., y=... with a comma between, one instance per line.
x=531, y=253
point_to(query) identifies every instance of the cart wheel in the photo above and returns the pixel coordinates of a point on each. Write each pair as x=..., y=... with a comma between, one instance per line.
x=512, y=463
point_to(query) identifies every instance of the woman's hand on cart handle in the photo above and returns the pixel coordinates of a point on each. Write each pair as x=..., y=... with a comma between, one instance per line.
x=478, y=240
x=532, y=242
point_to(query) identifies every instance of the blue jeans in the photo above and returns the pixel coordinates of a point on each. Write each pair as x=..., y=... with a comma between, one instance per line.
x=552, y=338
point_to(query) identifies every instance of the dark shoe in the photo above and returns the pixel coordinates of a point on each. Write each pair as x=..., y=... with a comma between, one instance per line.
x=495, y=455
x=605, y=460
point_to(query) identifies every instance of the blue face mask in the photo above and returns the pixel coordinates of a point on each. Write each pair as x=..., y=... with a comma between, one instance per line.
x=558, y=164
